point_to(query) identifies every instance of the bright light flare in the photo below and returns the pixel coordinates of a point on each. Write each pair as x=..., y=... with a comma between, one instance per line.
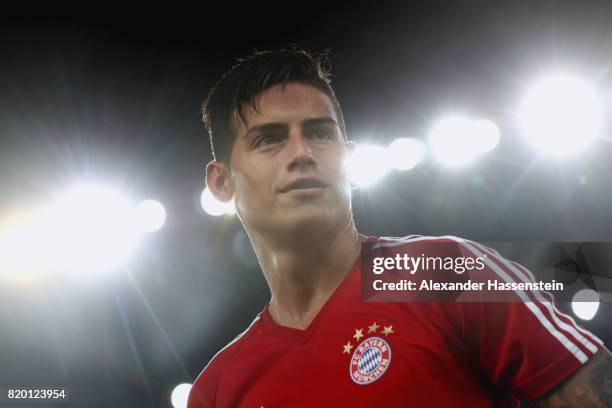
x=150, y=215
x=367, y=164
x=561, y=115
x=585, y=304
x=18, y=243
x=214, y=207
x=486, y=135
x=89, y=229
x=456, y=141
x=179, y=395
x=405, y=153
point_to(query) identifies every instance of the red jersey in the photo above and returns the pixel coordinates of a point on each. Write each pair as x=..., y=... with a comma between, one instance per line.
x=357, y=353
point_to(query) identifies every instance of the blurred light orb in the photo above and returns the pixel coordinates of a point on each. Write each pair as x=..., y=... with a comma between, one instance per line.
x=456, y=141
x=451, y=142
x=561, y=115
x=179, y=395
x=91, y=228
x=486, y=135
x=151, y=215
x=214, y=207
x=585, y=304
x=19, y=241
x=367, y=164
x=405, y=153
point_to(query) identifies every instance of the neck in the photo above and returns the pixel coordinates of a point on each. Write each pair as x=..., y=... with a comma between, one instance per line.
x=303, y=273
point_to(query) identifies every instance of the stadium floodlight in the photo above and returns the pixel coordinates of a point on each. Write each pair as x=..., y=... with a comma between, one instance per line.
x=451, y=142
x=21, y=244
x=91, y=228
x=486, y=135
x=561, y=115
x=405, y=153
x=456, y=141
x=179, y=395
x=151, y=215
x=585, y=304
x=214, y=207
x=367, y=164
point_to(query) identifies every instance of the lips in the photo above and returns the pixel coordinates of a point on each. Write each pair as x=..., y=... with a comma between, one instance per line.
x=303, y=183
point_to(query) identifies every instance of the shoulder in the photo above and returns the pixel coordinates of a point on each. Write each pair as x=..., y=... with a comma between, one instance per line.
x=204, y=388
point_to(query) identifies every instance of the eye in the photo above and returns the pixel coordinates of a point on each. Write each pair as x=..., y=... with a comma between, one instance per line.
x=267, y=139
x=323, y=134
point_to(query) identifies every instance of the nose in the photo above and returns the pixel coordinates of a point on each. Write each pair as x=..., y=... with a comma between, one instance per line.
x=300, y=152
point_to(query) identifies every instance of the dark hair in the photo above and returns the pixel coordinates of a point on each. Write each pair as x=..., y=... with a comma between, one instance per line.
x=239, y=86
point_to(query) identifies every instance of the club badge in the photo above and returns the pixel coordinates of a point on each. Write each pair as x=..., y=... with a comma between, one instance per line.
x=371, y=357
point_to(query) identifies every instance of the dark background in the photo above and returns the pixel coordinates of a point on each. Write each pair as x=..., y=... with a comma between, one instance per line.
x=114, y=96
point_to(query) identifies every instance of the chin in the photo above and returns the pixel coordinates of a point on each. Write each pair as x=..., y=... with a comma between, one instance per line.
x=308, y=214
x=314, y=216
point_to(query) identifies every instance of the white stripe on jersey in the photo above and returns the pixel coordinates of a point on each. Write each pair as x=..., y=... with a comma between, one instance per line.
x=554, y=313
x=551, y=300
x=567, y=343
x=396, y=241
x=538, y=295
x=399, y=238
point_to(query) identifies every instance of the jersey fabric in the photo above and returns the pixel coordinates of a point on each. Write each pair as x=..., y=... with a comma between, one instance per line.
x=364, y=354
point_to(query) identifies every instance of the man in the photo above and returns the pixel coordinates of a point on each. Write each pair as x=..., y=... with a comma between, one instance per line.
x=279, y=141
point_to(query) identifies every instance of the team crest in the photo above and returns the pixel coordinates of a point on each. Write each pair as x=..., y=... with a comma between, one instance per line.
x=371, y=357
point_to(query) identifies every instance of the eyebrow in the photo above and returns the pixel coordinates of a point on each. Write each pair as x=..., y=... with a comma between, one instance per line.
x=323, y=120
x=265, y=127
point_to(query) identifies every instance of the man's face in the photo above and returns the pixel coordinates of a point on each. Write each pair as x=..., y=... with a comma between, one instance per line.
x=287, y=162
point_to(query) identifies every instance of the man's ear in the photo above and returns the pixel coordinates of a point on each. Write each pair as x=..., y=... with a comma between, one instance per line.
x=219, y=181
